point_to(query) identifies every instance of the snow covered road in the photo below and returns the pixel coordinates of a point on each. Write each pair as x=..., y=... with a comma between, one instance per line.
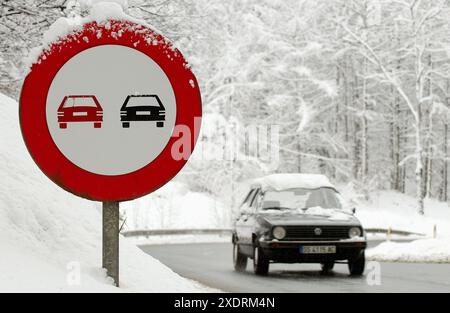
x=211, y=265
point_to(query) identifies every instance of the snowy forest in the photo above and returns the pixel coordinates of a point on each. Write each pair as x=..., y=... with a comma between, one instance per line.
x=360, y=89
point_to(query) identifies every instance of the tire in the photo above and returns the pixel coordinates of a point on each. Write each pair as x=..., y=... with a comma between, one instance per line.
x=97, y=125
x=356, y=266
x=159, y=124
x=260, y=263
x=63, y=125
x=126, y=124
x=327, y=267
x=239, y=259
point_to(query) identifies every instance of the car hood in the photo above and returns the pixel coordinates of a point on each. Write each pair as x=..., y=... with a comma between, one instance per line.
x=288, y=219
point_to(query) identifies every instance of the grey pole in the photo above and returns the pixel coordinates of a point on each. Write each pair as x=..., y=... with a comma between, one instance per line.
x=111, y=240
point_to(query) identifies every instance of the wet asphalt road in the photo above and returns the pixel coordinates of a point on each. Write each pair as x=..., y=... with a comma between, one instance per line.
x=211, y=265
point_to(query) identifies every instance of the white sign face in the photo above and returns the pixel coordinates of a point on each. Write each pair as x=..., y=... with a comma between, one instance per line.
x=111, y=110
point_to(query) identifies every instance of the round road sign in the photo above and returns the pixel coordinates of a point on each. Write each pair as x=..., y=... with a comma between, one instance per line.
x=103, y=111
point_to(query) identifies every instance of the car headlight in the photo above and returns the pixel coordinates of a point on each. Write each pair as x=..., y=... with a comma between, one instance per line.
x=354, y=232
x=279, y=232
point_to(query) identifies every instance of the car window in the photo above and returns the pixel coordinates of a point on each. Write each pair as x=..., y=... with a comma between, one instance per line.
x=255, y=203
x=142, y=101
x=79, y=102
x=300, y=198
x=248, y=198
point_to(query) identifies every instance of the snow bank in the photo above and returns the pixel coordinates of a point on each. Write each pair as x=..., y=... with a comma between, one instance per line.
x=391, y=209
x=426, y=251
x=174, y=206
x=399, y=211
x=289, y=181
x=47, y=234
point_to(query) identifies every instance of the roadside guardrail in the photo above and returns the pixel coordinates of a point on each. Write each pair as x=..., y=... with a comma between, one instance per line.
x=162, y=232
x=224, y=231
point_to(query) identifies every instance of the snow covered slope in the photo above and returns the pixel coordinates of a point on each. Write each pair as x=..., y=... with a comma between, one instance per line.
x=47, y=234
x=391, y=209
x=174, y=206
x=399, y=211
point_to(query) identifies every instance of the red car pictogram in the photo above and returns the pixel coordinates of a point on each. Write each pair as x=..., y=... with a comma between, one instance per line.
x=80, y=109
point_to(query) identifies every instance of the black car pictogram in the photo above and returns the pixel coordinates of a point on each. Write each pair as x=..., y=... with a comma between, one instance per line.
x=138, y=108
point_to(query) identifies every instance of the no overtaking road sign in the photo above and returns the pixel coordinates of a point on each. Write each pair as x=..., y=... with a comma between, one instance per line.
x=100, y=109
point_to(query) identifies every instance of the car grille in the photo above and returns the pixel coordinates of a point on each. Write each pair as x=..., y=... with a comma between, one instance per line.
x=309, y=232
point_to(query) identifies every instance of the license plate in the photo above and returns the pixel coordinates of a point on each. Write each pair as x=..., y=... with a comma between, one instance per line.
x=317, y=249
x=143, y=113
x=80, y=114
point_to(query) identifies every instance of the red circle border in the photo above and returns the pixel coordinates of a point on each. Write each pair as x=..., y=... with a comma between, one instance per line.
x=33, y=119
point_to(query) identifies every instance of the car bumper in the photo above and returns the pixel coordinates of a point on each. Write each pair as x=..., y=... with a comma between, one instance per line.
x=74, y=119
x=289, y=251
x=140, y=118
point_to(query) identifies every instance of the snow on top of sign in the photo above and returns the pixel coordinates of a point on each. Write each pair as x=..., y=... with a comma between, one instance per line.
x=101, y=12
x=290, y=181
x=87, y=4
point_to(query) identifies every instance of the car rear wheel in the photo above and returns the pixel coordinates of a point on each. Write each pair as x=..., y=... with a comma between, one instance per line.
x=239, y=259
x=97, y=125
x=126, y=125
x=356, y=266
x=63, y=125
x=159, y=124
x=327, y=267
x=260, y=263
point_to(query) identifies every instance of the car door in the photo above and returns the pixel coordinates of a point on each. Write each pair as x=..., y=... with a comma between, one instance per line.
x=253, y=225
x=249, y=222
x=242, y=221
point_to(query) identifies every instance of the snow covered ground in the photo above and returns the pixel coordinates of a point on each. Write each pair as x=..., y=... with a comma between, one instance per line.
x=422, y=250
x=390, y=209
x=399, y=211
x=174, y=206
x=51, y=240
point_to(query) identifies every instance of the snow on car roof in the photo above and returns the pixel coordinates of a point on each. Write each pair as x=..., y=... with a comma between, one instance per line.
x=290, y=181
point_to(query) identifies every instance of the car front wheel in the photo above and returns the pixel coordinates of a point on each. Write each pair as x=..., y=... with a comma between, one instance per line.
x=356, y=265
x=239, y=259
x=260, y=263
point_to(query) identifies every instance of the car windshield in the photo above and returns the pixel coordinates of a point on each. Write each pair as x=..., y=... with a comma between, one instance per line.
x=300, y=198
x=142, y=101
x=79, y=102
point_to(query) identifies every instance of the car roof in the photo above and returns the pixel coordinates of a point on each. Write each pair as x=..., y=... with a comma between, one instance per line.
x=143, y=96
x=81, y=96
x=280, y=182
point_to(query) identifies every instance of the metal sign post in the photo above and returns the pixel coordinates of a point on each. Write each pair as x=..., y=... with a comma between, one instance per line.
x=111, y=240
